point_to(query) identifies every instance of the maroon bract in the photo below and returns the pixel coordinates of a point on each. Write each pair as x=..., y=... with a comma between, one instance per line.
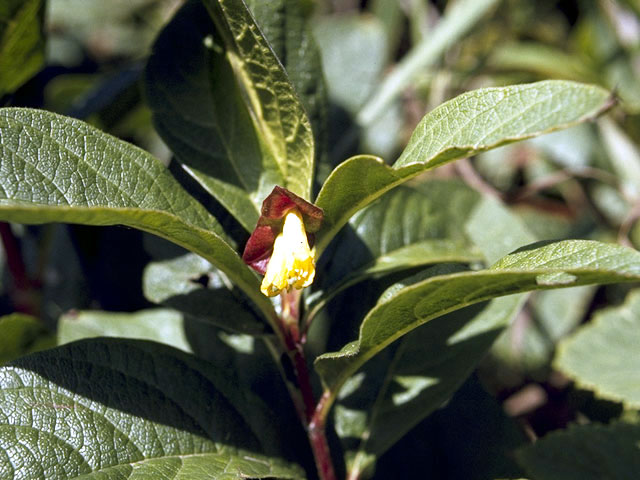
x=259, y=247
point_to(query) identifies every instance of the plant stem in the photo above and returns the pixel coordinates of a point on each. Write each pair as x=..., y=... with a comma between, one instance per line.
x=318, y=439
x=313, y=416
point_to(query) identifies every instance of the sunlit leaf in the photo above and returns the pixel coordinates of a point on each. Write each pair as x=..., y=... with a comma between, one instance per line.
x=470, y=123
x=403, y=308
x=118, y=409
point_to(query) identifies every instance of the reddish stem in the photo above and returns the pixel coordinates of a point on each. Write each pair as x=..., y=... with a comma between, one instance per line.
x=313, y=416
x=318, y=439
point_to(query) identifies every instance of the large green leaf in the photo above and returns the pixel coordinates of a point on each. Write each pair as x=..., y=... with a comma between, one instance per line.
x=470, y=123
x=585, y=452
x=117, y=409
x=278, y=115
x=400, y=310
x=199, y=111
x=285, y=24
x=426, y=368
x=603, y=355
x=57, y=169
x=194, y=287
x=21, y=42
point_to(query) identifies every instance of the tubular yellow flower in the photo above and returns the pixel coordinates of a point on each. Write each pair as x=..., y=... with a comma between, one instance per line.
x=292, y=262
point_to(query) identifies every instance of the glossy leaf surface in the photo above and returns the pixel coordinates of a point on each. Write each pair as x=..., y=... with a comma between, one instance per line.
x=157, y=325
x=191, y=285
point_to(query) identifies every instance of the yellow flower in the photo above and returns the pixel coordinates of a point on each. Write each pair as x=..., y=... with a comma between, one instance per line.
x=292, y=261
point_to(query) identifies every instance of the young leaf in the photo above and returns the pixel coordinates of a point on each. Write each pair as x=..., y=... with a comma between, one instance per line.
x=584, y=452
x=470, y=123
x=21, y=42
x=279, y=116
x=603, y=355
x=556, y=265
x=194, y=287
x=118, y=409
x=58, y=169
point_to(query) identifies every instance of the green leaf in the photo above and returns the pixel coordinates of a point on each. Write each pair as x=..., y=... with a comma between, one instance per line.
x=191, y=285
x=407, y=228
x=58, y=169
x=278, y=114
x=528, y=345
x=118, y=409
x=158, y=325
x=425, y=370
x=21, y=42
x=285, y=24
x=198, y=109
x=470, y=123
x=354, y=49
x=624, y=156
x=585, y=452
x=507, y=231
x=21, y=334
x=469, y=438
x=602, y=356
x=400, y=310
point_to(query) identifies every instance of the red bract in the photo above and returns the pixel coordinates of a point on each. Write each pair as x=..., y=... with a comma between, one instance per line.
x=258, y=249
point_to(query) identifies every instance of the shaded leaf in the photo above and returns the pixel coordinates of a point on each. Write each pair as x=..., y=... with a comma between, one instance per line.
x=354, y=50
x=279, y=117
x=191, y=285
x=409, y=227
x=118, y=409
x=603, y=355
x=469, y=438
x=57, y=169
x=400, y=310
x=198, y=109
x=424, y=371
x=285, y=24
x=585, y=452
x=470, y=123
x=21, y=42
x=158, y=325
x=527, y=347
